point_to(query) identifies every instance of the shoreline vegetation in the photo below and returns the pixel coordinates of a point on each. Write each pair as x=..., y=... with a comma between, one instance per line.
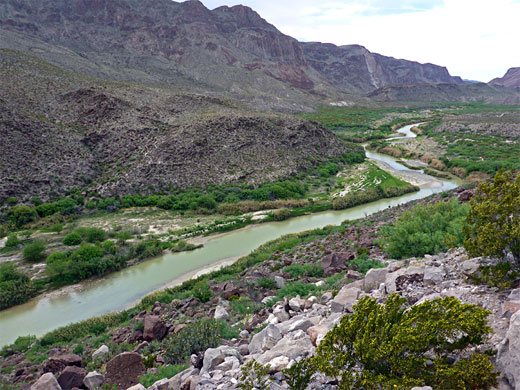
x=86, y=253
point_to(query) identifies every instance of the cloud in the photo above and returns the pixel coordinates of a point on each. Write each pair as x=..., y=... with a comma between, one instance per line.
x=476, y=39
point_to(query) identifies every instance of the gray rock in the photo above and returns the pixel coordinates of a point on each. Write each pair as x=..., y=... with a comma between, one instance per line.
x=229, y=363
x=422, y=388
x=278, y=364
x=290, y=348
x=433, y=275
x=214, y=356
x=300, y=322
x=374, y=278
x=176, y=382
x=243, y=334
x=94, y=380
x=512, y=303
x=508, y=356
x=391, y=277
x=264, y=340
x=137, y=387
x=100, y=352
x=161, y=384
x=280, y=313
x=46, y=382
x=267, y=299
x=346, y=298
x=326, y=297
x=470, y=267
x=221, y=313
x=297, y=304
x=280, y=281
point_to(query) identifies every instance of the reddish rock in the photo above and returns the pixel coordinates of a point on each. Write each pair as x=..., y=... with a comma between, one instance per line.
x=124, y=370
x=333, y=263
x=465, y=196
x=154, y=328
x=226, y=290
x=56, y=364
x=71, y=377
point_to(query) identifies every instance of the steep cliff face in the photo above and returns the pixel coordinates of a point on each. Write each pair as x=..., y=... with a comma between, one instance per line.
x=510, y=79
x=228, y=50
x=355, y=69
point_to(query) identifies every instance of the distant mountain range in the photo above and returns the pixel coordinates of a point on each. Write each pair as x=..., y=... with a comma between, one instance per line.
x=227, y=51
x=510, y=79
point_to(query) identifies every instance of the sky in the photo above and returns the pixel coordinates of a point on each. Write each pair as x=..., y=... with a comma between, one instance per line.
x=474, y=39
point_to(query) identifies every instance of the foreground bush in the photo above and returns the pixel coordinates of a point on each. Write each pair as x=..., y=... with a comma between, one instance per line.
x=494, y=218
x=389, y=346
x=426, y=229
x=72, y=239
x=15, y=287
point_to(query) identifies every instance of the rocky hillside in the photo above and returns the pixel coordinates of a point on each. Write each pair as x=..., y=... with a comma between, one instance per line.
x=230, y=51
x=353, y=68
x=276, y=336
x=61, y=130
x=510, y=79
x=469, y=92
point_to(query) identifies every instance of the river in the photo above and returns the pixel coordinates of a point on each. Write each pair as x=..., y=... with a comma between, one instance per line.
x=122, y=289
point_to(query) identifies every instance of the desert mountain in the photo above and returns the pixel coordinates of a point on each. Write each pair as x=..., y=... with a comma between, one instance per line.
x=510, y=79
x=228, y=51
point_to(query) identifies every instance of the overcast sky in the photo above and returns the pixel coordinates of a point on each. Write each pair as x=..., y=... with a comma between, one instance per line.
x=475, y=39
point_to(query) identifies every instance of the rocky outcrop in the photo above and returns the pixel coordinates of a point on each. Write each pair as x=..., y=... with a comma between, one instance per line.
x=510, y=79
x=154, y=328
x=508, y=357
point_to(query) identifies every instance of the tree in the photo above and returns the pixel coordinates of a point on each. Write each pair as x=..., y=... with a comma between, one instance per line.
x=392, y=346
x=493, y=227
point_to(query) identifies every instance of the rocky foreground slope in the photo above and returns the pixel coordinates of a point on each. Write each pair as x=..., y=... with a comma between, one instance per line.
x=280, y=335
x=61, y=130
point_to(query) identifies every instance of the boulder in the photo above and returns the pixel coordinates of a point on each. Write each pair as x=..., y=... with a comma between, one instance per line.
x=297, y=304
x=94, y=380
x=508, y=356
x=280, y=313
x=100, y=352
x=300, y=322
x=124, y=370
x=221, y=313
x=71, y=377
x=326, y=297
x=56, y=364
x=433, y=275
x=226, y=290
x=46, y=382
x=214, y=356
x=374, y=278
x=264, y=340
x=333, y=263
x=161, y=384
x=512, y=303
x=278, y=364
x=345, y=299
x=317, y=333
x=229, y=363
x=422, y=388
x=280, y=281
x=289, y=348
x=396, y=280
x=175, y=382
x=471, y=267
x=154, y=328
x=466, y=196
x=137, y=387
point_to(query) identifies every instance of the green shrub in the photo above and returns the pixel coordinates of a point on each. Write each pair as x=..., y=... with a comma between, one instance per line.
x=266, y=282
x=21, y=215
x=501, y=275
x=254, y=376
x=494, y=218
x=293, y=289
x=363, y=264
x=426, y=229
x=95, y=235
x=391, y=346
x=195, y=338
x=21, y=344
x=72, y=239
x=15, y=286
x=244, y=306
x=201, y=291
x=281, y=214
x=12, y=241
x=298, y=270
x=168, y=371
x=34, y=251
x=78, y=349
